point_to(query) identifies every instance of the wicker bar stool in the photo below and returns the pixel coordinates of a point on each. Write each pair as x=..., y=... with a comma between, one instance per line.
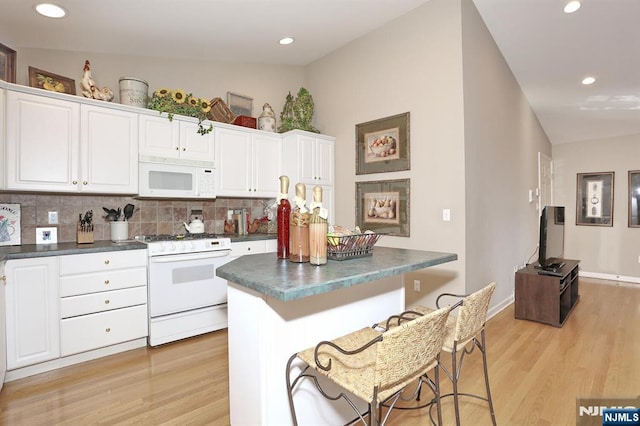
x=377, y=367
x=464, y=333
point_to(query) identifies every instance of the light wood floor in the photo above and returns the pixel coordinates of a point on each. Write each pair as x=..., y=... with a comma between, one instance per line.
x=536, y=373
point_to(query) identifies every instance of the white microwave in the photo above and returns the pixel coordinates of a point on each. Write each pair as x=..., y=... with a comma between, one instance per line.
x=166, y=178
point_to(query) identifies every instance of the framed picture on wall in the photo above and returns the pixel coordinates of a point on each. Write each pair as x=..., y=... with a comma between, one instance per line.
x=634, y=199
x=7, y=64
x=383, y=145
x=594, y=199
x=383, y=206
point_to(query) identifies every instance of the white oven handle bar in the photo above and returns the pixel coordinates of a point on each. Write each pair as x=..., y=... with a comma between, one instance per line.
x=181, y=257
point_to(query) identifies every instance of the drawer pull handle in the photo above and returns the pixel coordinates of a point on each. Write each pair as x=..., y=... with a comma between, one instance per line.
x=106, y=302
x=106, y=281
x=4, y=278
x=75, y=182
x=107, y=329
x=106, y=262
x=84, y=182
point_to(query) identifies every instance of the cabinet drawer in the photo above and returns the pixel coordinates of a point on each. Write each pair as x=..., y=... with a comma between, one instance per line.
x=73, y=285
x=103, y=301
x=247, y=247
x=105, y=261
x=94, y=331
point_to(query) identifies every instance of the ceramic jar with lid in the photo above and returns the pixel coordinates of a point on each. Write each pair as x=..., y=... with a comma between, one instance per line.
x=267, y=120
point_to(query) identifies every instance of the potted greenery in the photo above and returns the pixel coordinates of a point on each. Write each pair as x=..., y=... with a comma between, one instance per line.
x=179, y=102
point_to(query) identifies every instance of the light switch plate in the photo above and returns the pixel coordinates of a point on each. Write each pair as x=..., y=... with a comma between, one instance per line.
x=47, y=235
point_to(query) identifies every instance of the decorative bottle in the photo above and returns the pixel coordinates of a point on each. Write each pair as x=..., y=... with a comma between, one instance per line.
x=318, y=228
x=283, y=216
x=299, y=227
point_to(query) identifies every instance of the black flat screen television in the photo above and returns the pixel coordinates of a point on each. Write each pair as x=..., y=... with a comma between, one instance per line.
x=551, y=246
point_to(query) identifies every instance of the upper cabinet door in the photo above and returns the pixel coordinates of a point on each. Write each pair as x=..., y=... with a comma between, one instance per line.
x=233, y=168
x=324, y=161
x=159, y=136
x=267, y=164
x=42, y=144
x=109, y=147
x=178, y=138
x=193, y=145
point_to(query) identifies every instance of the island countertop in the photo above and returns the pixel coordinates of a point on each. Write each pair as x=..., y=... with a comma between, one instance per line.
x=286, y=281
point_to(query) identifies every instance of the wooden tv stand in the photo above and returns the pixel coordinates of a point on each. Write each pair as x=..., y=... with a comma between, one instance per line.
x=546, y=298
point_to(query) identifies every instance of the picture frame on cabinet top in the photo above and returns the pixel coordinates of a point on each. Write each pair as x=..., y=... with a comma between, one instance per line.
x=240, y=104
x=7, y=64
x=52, y=82
x=382, y=145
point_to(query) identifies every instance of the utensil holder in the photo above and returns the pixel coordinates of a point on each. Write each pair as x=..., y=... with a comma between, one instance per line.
x=119, y=231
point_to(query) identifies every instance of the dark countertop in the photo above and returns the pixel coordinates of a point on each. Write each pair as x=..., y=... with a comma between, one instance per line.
x=286, y=281
x=41, y=250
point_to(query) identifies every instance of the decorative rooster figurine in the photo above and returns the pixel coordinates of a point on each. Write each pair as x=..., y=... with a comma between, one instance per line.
x=89, y=88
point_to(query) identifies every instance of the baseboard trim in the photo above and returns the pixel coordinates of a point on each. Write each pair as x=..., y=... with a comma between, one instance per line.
x=610, y=277
x=73, y=359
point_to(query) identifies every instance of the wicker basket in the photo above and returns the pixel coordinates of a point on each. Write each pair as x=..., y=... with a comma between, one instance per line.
x=220, y=112
x=351, y=246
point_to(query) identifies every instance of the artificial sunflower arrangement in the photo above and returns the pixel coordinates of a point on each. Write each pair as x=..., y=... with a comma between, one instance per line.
x=179, y=102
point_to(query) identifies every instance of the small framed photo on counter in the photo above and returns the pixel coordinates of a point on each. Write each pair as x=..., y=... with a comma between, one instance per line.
x=634, y=199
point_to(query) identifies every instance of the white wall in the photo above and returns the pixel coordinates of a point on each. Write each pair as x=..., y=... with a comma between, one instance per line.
x=611, y=251
x=411, y=64
x=205, y=79
x=502, y=139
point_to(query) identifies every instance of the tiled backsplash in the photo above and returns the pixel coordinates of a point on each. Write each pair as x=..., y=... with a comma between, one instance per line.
x=150, y=216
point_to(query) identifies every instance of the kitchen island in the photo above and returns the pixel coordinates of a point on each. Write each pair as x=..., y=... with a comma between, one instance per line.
x=277, y=307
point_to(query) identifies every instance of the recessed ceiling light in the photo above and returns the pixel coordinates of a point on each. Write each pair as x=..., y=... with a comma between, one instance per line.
x=571, y=6
x=588, y=80
x=286, y=40
x=50, y=10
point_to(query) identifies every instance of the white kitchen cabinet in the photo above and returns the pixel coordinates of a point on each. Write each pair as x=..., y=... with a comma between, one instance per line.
x=2, y=135
x=103, y=299
x=43, y=143
x=241, y=248
x=309, y=158
x=177, y=139
x=109, y=150
x=64, y=146
x=32, y=309
x=3, y=324
x=249, y=162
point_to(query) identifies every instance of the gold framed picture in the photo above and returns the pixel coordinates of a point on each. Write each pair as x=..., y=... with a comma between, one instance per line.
x=383, y=145
x=383, y=206
x=49, y=81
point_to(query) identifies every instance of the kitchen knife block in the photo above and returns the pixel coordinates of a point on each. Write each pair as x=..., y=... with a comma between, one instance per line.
x=84, y=236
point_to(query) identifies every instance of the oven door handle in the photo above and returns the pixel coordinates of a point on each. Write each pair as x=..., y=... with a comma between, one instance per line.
x=182, y=257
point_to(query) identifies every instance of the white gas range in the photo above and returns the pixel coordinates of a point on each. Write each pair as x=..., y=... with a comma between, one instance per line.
x=186, y=298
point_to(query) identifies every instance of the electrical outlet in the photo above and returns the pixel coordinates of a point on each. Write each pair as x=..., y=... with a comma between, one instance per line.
x=446, y=215
x=229, y=214
x=53, y=218
x=416, y=285
x=638, y=259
